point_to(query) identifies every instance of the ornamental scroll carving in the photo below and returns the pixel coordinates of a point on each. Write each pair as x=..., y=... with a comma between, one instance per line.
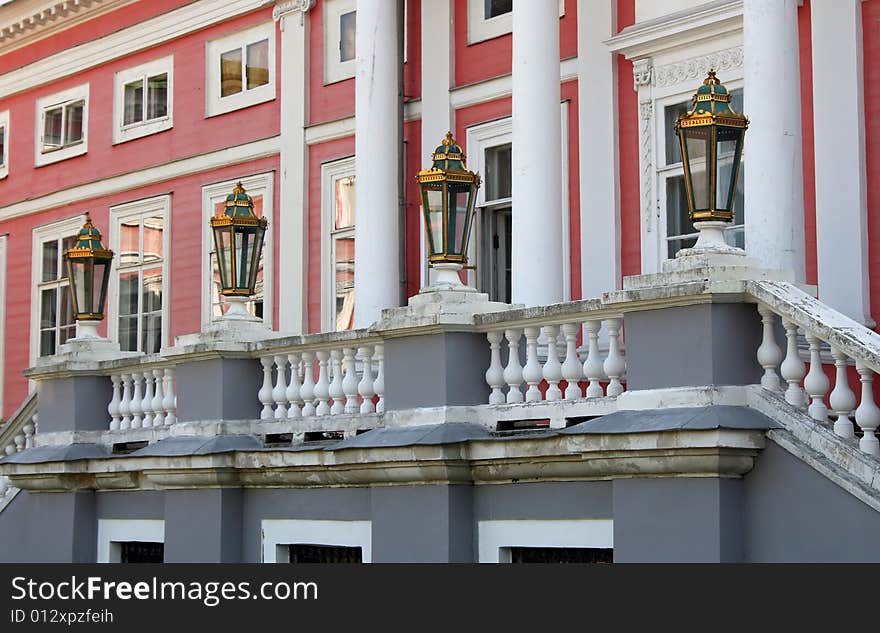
x=690, y=70
x=285, y=7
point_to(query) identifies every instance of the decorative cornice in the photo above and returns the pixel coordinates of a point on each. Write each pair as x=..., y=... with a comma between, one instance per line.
x=695, y=68
x=284, y=8
x=18, y=28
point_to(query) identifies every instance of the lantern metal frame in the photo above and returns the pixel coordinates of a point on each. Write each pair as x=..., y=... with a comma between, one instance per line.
x=82, y=259
x=711, y=110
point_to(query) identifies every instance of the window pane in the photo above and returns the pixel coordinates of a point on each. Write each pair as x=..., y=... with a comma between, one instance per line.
x=324, y=554
x=52, y=128
x=230, y=72
x=73, y=123
x=152, y=296
x=344, y=281
x=128, y=333
x=66, y=244
x=47, y=342
x=65, y=308
x=670, y=115
x=157, y=96
x=50, y=261
x=345, y=188
x=48, y=308
x=151, y=336
x=677, y=220
x=128, y=242
x=153, y=244
x=141, y=552
x=347, y=30
x=133, y=110
x=494, y=8
x=498, y=172
x=258, y=64
x=588, y=555
x=2, y=145
x=128, y=293
x=66, y=333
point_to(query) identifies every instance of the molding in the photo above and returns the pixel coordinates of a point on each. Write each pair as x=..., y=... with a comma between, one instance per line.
x=163, y=28
x=494, y=538
x=286, y=8
x=502, y=86
x=133, y=180
x=112, y=532
x=277, y=534
x=41, y=19
x=691, y=70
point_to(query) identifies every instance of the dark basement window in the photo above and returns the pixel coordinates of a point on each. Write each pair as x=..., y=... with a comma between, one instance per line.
x=324, y=554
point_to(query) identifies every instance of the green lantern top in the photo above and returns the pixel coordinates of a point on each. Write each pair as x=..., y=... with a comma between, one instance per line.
x=88, y=243
x=711, y=106
x=448, y=155
x=238, y=203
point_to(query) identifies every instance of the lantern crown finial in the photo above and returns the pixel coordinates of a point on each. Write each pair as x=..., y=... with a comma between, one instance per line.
x=89, y=237
x=239, y=203
x=711, y=78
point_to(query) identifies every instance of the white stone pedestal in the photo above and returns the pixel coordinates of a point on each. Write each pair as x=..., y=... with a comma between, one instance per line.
x=441, y=304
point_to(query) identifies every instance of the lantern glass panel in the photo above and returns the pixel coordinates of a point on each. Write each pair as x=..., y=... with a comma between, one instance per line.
x=459, y=194
x=79, y=276
x=433, y=203
x=255, y=257
x=223, y=244
x=728, y=148
x=99, y=291
x=244, y=246
x=697, y=149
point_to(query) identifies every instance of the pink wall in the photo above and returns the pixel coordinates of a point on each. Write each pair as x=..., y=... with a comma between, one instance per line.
x=871, y=34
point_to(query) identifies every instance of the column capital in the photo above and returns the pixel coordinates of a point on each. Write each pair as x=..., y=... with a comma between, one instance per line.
x=284, y=8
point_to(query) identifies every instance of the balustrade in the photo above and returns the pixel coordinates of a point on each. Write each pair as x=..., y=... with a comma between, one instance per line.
x=142, y=399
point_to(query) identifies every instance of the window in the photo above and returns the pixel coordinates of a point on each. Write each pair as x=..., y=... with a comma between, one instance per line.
x=340, y=26
x=4, y=143
x=309, y=541
x=214, y=306
x=131, y=540
x=551, y=540
x=143, y=100
x=241, y=69
x=52, y=314
x=492, y=18
x=672, y=196
x=62, y=125
x=337, y=282
x=138, y=312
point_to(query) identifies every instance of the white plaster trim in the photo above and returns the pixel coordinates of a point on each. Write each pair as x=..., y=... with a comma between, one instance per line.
x=330, y=173
x=122, y=133
x=496, y=537
x=113, y=532
x=155, y=206
x=335, y=70
x=150, y=175
x=3, y=296
x=163, y=28
x=502, y=86
x=692, y=71
x=70, y=95
x=277, y=534
x=481, y=29
x=38, y=19
x=330, y=131
x=214, y=103
x=52, y=231
x=4, y=123
x=256, y=185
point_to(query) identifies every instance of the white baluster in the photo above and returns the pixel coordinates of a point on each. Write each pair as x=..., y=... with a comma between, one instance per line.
x=279, y=392
x=307, y=390
x=125, y=403
x=169, y=403
x=19, y=441
x=495, y=373
x=322, y=387
x=593, y=369
x=792, y=368
x=769, y=354
x=265, y=392
x=532, y=373
x=335, y=388
x=147, y=402
x=513, y=374
x=816, y=383
x=365, y=386
x=137, y=401
x=28, y=429
x=842, y=398
x=379, y=384
x=868, y=413
x=614, y=365
x=552, y=366
x=350, y=382
x=113, y=407
x=10, y=448
x=572, y=370
x=294, y=408
x=158, y=398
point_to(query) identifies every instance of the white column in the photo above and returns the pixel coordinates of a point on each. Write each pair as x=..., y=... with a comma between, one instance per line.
x=437, y=113
x=597, y=142
x=537, y=155
x=292, y=214
x=774, y=181
x=839, y=141
x=376, y=269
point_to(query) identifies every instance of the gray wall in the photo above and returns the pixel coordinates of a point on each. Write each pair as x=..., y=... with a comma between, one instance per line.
x=211, y=389
x=49, y=528
x=76, y=403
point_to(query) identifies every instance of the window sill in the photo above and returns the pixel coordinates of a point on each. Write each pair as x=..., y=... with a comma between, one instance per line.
x=140, y=130
x=55, y=156
x=264, y=94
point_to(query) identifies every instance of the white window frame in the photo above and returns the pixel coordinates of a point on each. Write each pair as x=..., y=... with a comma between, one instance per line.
x=495, y=538
x=46, y=103
x=335, y=70
x=4, y=159
x=3, y=295
x=499, y=132
x=330, y=174
x=277, y=534
x=156, y=206
x=215, y=104
x=256, y=185
x=121, y=132
x=480, y=29
x=113, y=532
x=53, y=231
